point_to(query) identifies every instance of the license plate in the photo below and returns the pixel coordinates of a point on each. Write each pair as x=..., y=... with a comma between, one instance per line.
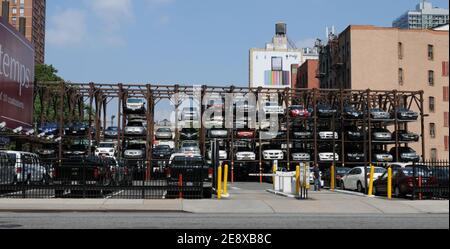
x=189, y=184
x=74, y=132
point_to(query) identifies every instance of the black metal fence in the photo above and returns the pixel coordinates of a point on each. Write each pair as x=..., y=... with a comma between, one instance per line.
x=92, y=177
x=431, y=180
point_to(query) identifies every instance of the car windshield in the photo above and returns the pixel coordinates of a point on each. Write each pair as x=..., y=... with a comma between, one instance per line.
x=135, y=101
x=135, y=147
x=106, y=145
x=78, y=147
x=162, y=147
x=164, y=130
x=271, y=104
x=135, y=124
x=342, y=170
x=188, y=130
x=407, y=150
x=112, y=129
x=377, y=110
x=192, y=144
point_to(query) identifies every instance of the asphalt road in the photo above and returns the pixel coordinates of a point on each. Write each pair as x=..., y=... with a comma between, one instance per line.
x=241, y=221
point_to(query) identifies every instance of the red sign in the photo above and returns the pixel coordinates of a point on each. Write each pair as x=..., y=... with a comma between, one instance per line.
x=16, y=78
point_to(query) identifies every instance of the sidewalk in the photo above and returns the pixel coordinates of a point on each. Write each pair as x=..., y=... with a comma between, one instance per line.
x=241, y=201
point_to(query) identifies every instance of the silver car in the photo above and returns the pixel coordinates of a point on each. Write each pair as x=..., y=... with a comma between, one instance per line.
x=135, y=128
x=190, y=147
x=164, y=133
x=135, y=151
x=379, y=114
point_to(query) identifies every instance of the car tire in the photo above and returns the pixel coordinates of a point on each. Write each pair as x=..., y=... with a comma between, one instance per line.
x=342, y=185
x=59, y=194
x=360, y=187
x=375, y=190
x=207, y=193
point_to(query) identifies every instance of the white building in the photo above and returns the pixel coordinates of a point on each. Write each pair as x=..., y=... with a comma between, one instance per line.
x=425, y=16
x=271, y=66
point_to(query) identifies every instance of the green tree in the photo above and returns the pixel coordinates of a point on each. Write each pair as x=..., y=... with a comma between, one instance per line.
x=46, y=73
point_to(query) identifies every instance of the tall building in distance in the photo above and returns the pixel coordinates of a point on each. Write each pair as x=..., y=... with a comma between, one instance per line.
x=34, y=13
x=425, y=16
x=377, y=58
x=275, y=66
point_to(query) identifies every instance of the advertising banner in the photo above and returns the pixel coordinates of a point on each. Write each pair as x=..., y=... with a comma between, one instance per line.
x=16, y=78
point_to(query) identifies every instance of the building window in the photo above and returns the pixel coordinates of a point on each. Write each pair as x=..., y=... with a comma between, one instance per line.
x=446, y=93
x=401, y=78
x=432, y=130
x=445, y=68
x=446, y=119
x=446, y=143
x=277, y=63
x=434, y=155
x=400, y=50
x=431, y=104
x=431, y=78
x=430, y=52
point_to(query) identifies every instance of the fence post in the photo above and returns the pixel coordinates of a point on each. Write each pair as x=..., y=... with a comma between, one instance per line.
x=372, y=173
x=219, y=182
x=297, y=180
x=332, y=180
x=225, y=181
x=180, y=184
x=389, y=186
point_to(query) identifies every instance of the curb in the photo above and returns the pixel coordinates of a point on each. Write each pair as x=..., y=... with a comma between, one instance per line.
x=280, y=193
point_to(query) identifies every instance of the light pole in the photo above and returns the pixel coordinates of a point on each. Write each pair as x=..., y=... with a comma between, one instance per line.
x=112, y=120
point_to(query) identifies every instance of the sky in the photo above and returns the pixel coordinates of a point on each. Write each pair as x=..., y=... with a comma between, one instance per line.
x=190, y=41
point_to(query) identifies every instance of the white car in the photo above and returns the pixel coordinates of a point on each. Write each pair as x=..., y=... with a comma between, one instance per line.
x=273, y=108
x=245, y=155
x=301, y=156
x=134, y=104
x=106, y=149
x=328, y=157
x=222, y=155
x=356, y=178
x=328, y=135
x=28, y=167
x=273, y=154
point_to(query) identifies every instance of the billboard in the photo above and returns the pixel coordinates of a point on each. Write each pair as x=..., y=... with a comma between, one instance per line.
x=16, y=78
x=273, y=68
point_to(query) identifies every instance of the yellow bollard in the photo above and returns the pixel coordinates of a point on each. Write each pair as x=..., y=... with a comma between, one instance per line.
x=306, y=183
x=333, y=178
x=389, y=186
x=225, y=181
x=274, y=171
x=372, y=173
x=297, y=180
x=219, y=182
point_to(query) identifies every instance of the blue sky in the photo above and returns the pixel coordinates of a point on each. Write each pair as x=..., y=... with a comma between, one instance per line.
x=189, y=41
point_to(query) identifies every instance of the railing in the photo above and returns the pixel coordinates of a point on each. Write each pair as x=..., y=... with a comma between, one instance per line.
x=431, y=180
x=93, y=177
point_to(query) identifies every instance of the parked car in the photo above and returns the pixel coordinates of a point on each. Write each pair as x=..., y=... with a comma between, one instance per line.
x=164, y=134
x=245, y=134
x=162, y=152
x=189, y=134
x=301, y=155
x=353, y=133
x=196, y=173
x=28, y=168
x=340, y=172
x=406, y=154
x=327, y=134
x=78, y=129
x=135, y=105
x=359, y=177
x=381, y=134
x=272, y=152
x=48, y=150
x=326, y=111
x=326, y=153
x=135, y=151
x=268, y=135
x=381, y=156
x=405, y=114
x=355, y=155
x=403, y=180
x=302, y=133
x=299, y=111
x=136, y=128
x=223, y=155
x=190, y=147
x=49, y=129
x=190, y=114
x=107, y=149
x=76, y=150
x=351, y=112
x=272, y=107
x=245, y=154
x=406, y=136
x=111, y=132
x=217, y=133
x=379, y=114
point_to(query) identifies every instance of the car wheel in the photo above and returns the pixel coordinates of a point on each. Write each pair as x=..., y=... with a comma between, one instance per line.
x=375, y=190
x=360, y=187
x=342, y=185
x=207, y=193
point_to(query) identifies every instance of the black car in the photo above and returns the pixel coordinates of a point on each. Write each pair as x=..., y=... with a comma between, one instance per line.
x=353, y=133
x=406, y=136
x=355, y=155
x=405, y=114
x=326, y=111
x=162, y=152
x=111, y=132
x=351, y=112
x=77, y=150
x=405, y=154
x=189, y=134
x=77, y=129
